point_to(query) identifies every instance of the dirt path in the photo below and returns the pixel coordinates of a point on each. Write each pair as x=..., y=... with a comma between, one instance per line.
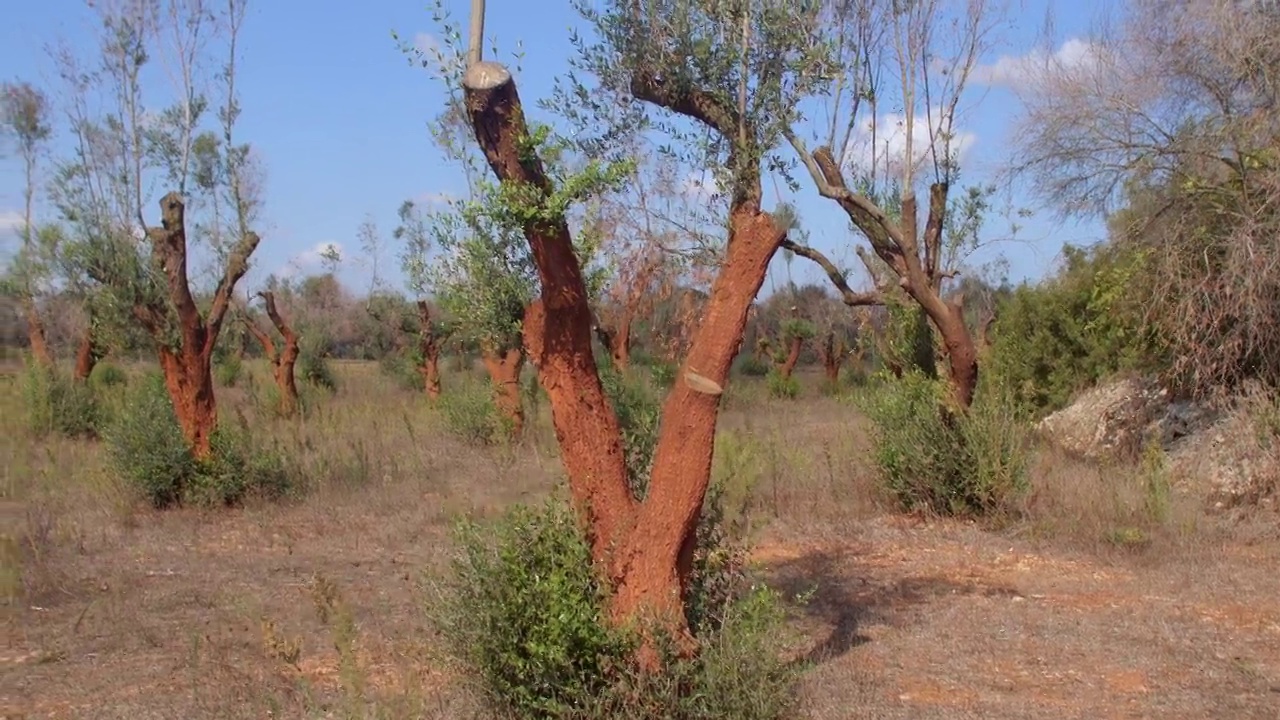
x=944, y=621
x=201, y=616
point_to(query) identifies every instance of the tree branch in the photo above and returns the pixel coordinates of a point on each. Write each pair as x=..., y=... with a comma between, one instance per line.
x=269, y=299
x=268, y=346
x=169, y=249
x=847, y=294
x=690, y=102
x=237, y=266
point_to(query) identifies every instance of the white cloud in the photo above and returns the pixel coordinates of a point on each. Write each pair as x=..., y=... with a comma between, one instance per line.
x=310, y=258
x=1019, y=71
x=10, y=221
x=890, y=144
x=426, y=43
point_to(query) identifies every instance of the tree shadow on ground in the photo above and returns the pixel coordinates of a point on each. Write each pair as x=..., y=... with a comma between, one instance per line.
x=836, y=590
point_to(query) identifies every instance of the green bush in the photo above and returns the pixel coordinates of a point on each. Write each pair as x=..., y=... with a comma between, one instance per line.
x=638, y=410
x=525, y=614
x=748, y=365
x=1072, y=330
x=663, y=374
x=107, y=375
x=147, y=449
x=469, y=411
x=315, y=370
x=57, y=404
x=931, y=458
x=786, y=388
x=402, y=369
x=228, y=370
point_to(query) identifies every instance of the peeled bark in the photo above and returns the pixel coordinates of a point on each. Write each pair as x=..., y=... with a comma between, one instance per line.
x=189, y=380
x=185, y=360
x=788, y=364
x=645, y=547
x=282, y=359
x=36, y=335
x=832, y=358
x=429, y=345
x=87, y=356
x=504, y=370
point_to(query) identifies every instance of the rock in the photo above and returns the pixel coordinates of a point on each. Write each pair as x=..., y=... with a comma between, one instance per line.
x=1111, y=419
x=1234, y=459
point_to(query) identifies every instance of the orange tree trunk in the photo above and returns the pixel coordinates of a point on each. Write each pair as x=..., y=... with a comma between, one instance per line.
x=189, y=380
x=87, y=355
x=36, y=335
x=646, y=547
x=788, y=365
x=832, y=358
x=621, y=348
x=282, y=360
x=504, y=370
x=430, y=348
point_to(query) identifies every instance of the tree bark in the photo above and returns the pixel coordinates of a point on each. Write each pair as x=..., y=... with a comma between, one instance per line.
x=504, y=370
x=788, y=364
x=36, y=335
x=189, y=381
x=832, y=358
x=282, y=360
x=429, y=345
x=645, y=547
x=87, y=355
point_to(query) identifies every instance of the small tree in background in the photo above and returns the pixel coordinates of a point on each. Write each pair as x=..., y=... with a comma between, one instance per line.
x=143, y=272
x=282, y=357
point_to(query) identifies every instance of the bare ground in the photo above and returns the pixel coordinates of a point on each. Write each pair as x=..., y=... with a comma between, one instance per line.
x=129, y=613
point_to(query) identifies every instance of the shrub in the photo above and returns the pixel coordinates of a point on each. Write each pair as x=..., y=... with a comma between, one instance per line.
x=663, y=374
x=469, y=411
x=227, y=371
x=402, y=369
x=638, y=410
x=749, y=365
x=57, y=404
x=787, y=388
x=525, y=615
x=315, y=370
x=147, y=449
x=107, y=375
x=933, y=459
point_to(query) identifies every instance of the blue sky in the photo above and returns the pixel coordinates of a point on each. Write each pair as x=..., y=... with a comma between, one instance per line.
x=340, y=117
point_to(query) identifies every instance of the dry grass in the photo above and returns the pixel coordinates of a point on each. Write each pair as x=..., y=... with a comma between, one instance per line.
x=1101, y=601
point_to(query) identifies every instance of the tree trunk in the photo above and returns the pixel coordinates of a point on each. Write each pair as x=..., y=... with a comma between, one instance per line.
x=788, y=364
x=429, y=345
x=621, y=348
x=832, y=359
x=36, y=335
x=646, y=547
x=504, y=370
x=962, y=352
x=87, y=356
x=282, y=360
x=189, y=380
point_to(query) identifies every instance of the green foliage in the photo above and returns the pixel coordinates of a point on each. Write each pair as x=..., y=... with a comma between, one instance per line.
x=107, y=375
x=469, y=411
x=525, y=614
x=1072, y=331
x=932, y=458
x=147, y=449
x=402, y=368
x=786, y=388
x=313, y=365
x=55, y=403
x=145, y=444
x=639, y=411
x=797, y=328
x=748, y=365
x=907, y=340
x=228, y=370
x=662, y=373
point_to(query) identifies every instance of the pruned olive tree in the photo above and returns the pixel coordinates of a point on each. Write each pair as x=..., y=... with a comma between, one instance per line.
x=722, y=79
x=872, y=164
x=122, y=147
x=283, y=357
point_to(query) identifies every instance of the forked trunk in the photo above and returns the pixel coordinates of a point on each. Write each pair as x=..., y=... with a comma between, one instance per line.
x=645, y=547
x=87, y=356
x=189, y=380
x=788, y=364
x=651, y=566
x=504, y=370
x=957, y=341
x=283, y=359
x=35, y=334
